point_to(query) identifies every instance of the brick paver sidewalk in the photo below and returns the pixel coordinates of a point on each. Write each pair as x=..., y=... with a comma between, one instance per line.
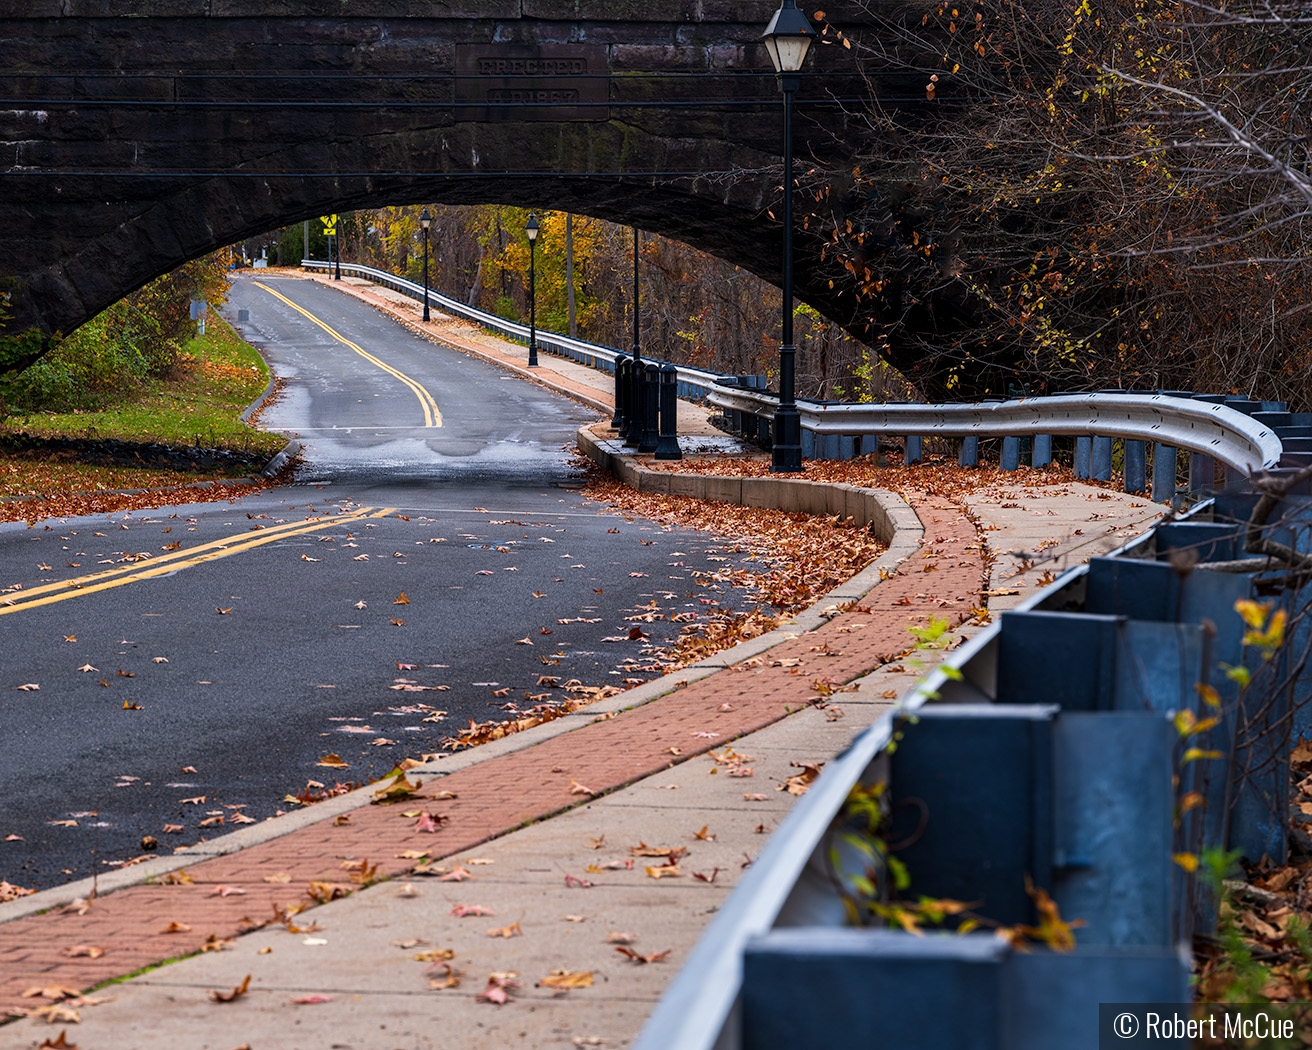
x=501, y=794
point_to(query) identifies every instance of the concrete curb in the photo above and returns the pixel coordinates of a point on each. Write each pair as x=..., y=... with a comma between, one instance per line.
x=894, y=521
x=281, y=459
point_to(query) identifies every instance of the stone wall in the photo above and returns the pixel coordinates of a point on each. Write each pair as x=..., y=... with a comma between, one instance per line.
x=137, y=135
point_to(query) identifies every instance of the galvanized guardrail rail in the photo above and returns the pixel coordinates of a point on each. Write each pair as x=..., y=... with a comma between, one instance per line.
x=1047, y=751
x=1243, y=434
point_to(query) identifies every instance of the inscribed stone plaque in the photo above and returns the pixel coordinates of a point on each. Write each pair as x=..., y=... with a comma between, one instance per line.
x=531, y=82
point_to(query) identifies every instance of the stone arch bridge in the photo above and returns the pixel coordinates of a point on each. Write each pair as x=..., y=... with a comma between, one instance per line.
x=138, y=134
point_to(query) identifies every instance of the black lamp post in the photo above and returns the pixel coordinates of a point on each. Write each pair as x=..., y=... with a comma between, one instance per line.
x=788, y=38
x=531, y=228
x=425, y=220
x=638, y=375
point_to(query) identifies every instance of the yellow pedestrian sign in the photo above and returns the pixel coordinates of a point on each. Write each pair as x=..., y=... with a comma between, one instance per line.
x=329, y=225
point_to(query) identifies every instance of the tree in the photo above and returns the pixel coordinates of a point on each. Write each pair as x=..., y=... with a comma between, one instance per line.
x=1084, y=198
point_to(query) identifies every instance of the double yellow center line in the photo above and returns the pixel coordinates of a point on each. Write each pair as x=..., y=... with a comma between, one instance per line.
x=16, y=601
x=432, y=417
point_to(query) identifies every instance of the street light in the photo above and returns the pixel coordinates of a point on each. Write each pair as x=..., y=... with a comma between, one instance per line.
x=425, y=220
x=531, y=228
x=788, y=38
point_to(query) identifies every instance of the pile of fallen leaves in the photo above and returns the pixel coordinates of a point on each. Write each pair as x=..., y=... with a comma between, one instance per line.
x=478, y=733
x=792, y=560
x=937, y=476
x=37, y=491
x=1263, y=948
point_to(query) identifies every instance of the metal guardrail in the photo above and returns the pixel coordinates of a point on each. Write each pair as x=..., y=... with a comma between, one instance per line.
x=700, y=1009
x=694, y=383
x=1219, y=431
x=1227, y=435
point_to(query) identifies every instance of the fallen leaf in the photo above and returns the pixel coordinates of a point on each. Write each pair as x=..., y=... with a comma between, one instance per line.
x=665, y=871
x=236, y=993
x=704, y=835
x=396, y=622
x=524, y=641
x=60, y=1042
x=173, y=829
x=176, y=927
x=756, y=797
x=618, y=937
x=798, y=784
x=401, y=599
x=227, y=891
x=573, y=880
x=311, y=1000
x=278, y=878
x=430, y=822
x=51, y=991
x=447, y=976
x=430, y=955
x=701, y=875
x=575, y=788
x=456, y=874
x=499, y=988
x=28, y=687
x=132, y=705
x=461, y=911
x=566, y=979
x=596, y=843
x=640, y=959
x=89, y=951
x=507, y=932
x=88, y=668
x=576, y=918
x=361, y=605
x=222, y=612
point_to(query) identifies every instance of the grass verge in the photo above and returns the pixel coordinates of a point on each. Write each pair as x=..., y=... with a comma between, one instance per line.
x=201, y=404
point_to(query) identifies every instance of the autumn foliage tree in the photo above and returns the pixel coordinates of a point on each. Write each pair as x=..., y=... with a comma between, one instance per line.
x=1056, y=195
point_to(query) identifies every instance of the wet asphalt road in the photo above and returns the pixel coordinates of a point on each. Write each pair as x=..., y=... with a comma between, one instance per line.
x=274, y=629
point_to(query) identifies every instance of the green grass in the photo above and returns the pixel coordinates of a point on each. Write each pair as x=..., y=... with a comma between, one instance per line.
x=218, y=377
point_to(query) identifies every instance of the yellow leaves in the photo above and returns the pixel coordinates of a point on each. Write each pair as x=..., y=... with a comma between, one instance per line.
x=665, y=871
x=1209, y=694
x=1188, y=724
x=1188, y=861
x=1195, y=754
x=1266, y=628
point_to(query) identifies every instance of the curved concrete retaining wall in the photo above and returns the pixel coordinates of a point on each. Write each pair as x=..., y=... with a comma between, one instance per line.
x=884, y=512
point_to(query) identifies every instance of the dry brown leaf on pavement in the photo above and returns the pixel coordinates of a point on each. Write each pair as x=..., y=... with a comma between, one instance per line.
x=236, y=993
x=507, y=932
x=60, y=1042
x=88, y=951
x=564, y=980
x=461, y=911
x=665, y=871
x=456, y=874
x=641, y=959
x=798, y=783
x=51, y=991
x=8, y=891
x=444, y=975
x=499, y=988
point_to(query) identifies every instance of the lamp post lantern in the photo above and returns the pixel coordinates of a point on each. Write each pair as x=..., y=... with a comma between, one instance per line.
x=425, y=220
x=531, y=228
x=788, y=38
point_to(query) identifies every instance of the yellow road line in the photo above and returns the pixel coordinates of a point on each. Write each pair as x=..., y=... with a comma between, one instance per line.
x=432, y=417
x=181, y=560
x=190, y=552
